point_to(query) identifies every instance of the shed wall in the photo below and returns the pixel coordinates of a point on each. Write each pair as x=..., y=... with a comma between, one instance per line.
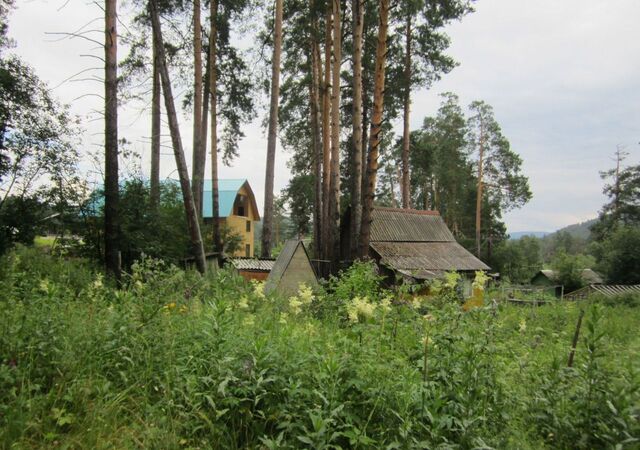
x=298, y=271
x=253, y=275
x=541, y=280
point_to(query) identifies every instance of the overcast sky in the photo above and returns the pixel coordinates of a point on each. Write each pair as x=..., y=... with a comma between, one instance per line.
x=563, y=78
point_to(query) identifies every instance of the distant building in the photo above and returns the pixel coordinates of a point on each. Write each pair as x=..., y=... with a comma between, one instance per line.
x=237, y=210
x=549, y=278
x=414, y=244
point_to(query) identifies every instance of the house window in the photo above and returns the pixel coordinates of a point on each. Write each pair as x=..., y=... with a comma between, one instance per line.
x=248, y=226
x=241, y=211
x=247, y=250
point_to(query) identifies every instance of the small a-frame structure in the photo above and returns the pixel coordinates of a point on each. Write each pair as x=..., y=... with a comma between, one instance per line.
x=292, y=268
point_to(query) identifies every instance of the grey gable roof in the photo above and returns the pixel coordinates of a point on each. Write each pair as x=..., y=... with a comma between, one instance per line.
x=408, y=225
x=418, y=243
x=588, y=275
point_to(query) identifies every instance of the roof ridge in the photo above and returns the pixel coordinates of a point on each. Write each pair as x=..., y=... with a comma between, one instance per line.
x=423, y=212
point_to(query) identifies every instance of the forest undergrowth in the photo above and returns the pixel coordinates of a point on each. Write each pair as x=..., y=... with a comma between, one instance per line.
x=176, y=360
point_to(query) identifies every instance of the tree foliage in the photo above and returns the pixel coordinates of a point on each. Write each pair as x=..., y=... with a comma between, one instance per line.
x=623, y=207
x=619, y=255
x=616, y=235
x=145, y=230
x=518, y=260
x=569, y=269
x=38, y=156
x=505, y=185
x=444, y=170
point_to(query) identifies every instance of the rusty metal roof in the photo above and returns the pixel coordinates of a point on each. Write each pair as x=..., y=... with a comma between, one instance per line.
x=263, y=265
x=408, y=225
x=427, y=256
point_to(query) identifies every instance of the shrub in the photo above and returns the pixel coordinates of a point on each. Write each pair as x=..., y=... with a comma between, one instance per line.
x=177, y=360
x=630, y=299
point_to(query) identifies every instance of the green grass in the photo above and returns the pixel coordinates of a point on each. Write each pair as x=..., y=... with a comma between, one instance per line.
x=174, y=360
x=44, y=241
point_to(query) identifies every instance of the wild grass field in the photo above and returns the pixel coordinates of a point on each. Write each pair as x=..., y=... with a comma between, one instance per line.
x=174, y=360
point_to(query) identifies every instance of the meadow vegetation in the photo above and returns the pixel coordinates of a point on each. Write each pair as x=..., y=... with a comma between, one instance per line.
x=176, y=360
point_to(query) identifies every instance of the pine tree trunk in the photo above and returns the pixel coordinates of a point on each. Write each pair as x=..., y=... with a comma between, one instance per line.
x=205, y=117
x=272, y=133
x=314, y=99
x=392, y=190
x=155, y=130
x=326, y=137
x=356, y=192
x=425, y=196
x=366, y=104
x=181, y=163
x=334, y=195
x=479, y=194
x=376, y=127
x=199, y=158
x=111, y=188
x=406, y=135
x=213, y=97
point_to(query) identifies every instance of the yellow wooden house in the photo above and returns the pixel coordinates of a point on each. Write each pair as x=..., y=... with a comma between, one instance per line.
x=238, y=211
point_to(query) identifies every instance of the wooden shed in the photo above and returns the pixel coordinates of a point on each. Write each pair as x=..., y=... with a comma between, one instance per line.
x=606, y=290
x=291, y=268
x=549, y=278
x=414, y=244
x=252, y=268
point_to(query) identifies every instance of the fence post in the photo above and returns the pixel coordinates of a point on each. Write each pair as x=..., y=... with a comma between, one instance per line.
x=574, y=344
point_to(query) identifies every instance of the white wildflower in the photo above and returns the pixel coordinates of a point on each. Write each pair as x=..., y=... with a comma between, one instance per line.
x=385, y=304
x=295, y=304
x=523, y=325
x=97, y=283
x=258, y=289
x=249, y=320
x=243, y=303
x=305, y=294
x=360, y=308
x=480, y=280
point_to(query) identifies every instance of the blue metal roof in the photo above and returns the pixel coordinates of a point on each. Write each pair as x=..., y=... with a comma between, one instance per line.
x=227, y=191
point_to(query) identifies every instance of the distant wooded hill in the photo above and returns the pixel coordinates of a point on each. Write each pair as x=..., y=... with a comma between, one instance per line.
x=518, y=234
x=577, y=230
